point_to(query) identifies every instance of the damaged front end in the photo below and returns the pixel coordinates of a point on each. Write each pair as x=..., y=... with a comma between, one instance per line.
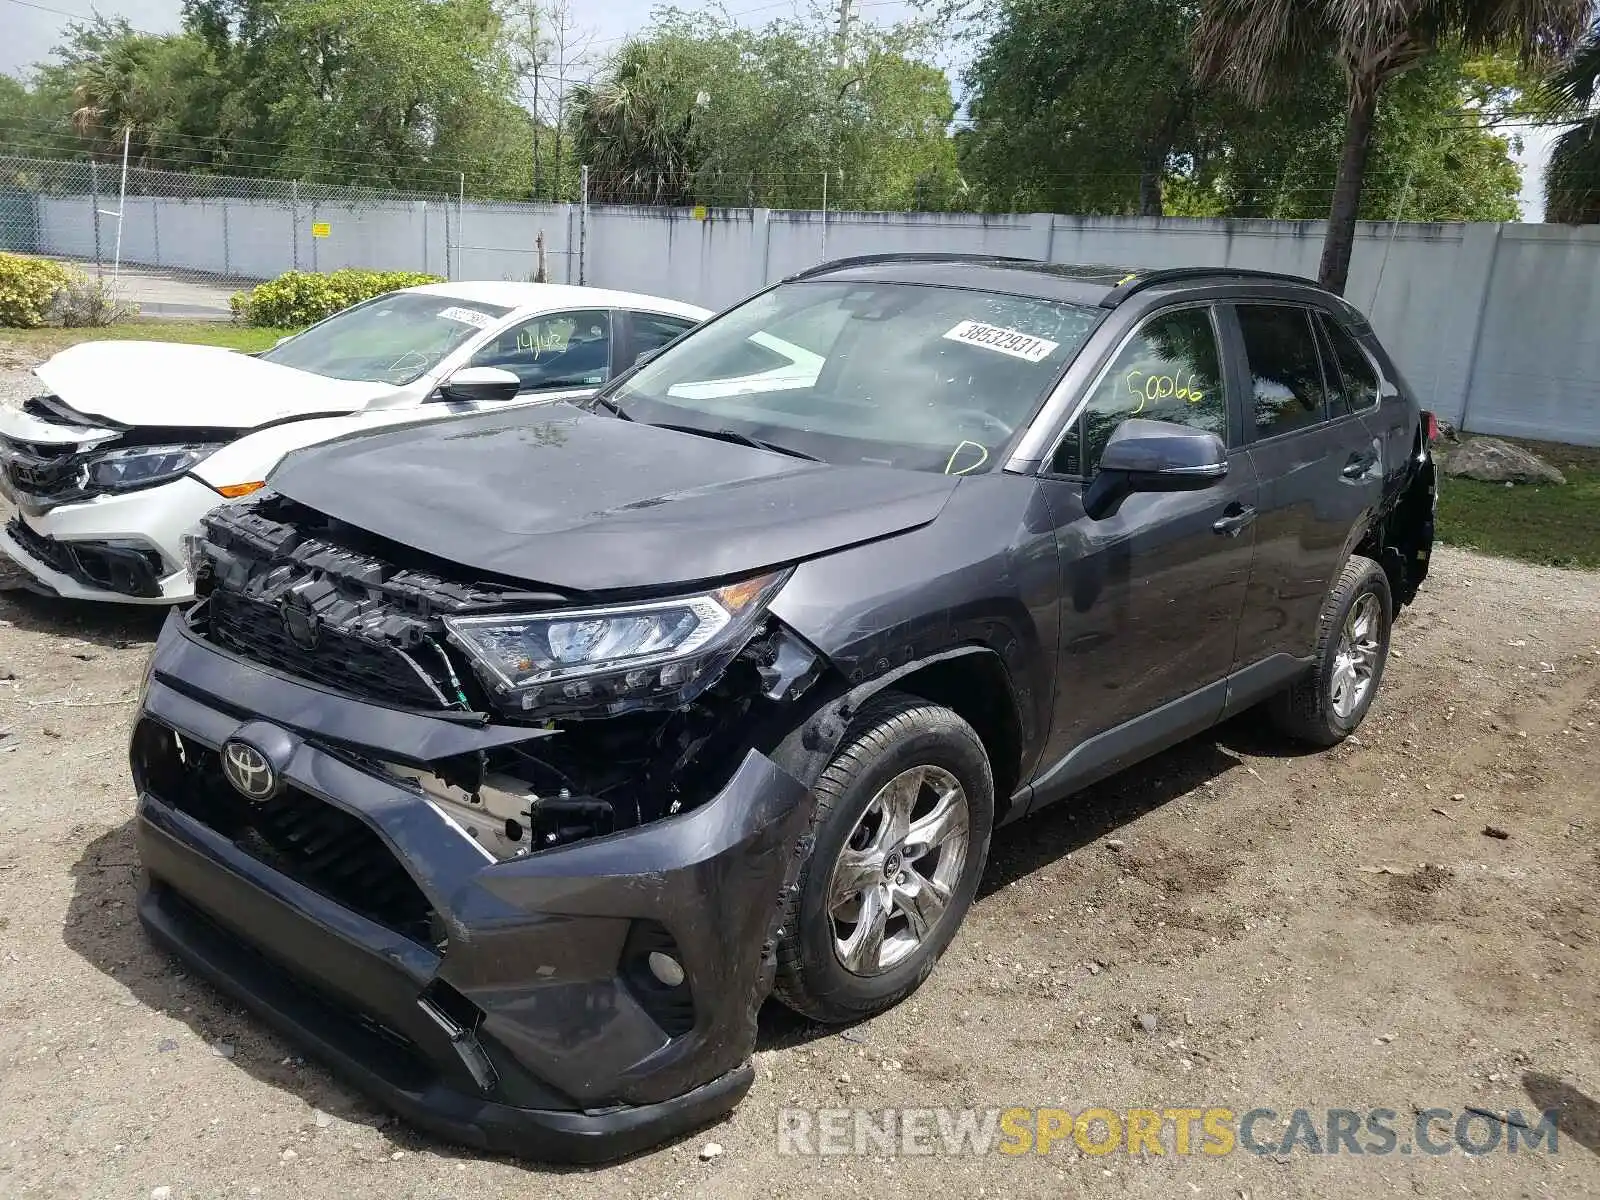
x=53, y=457
x=539, y=926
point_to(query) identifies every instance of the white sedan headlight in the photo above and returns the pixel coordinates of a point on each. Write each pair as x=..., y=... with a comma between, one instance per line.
x=615, y=658
x=143, y=466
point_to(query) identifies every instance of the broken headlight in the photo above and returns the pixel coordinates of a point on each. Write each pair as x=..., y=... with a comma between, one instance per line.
x=143, y=466
x=615, y=658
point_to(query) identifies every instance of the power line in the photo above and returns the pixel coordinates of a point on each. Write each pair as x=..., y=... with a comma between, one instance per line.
x=60, y=12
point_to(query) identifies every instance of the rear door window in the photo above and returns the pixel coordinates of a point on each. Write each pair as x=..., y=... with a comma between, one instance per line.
x=651, y=331
x=1287, y=392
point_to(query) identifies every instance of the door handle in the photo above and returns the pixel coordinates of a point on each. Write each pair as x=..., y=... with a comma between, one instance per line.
x=1358, y=466
x=1235, y=519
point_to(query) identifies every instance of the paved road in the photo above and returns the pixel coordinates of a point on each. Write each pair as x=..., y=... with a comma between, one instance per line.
x=166, y=294
x=174, y=294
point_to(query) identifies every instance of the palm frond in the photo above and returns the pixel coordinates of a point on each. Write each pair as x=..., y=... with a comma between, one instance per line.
x=1573, y=89
x=1572, y=180
x=1258, y=46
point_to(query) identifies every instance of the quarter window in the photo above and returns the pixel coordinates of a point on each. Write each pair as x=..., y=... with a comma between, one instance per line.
x=1360, y=380
x=566, y=349
x=1170, y=371
x=1286, y=386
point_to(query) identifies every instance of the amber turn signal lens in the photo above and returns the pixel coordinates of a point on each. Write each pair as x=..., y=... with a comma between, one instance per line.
x=234, y=490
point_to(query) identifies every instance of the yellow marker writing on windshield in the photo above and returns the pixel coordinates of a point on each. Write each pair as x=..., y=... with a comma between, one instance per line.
x=983, y=450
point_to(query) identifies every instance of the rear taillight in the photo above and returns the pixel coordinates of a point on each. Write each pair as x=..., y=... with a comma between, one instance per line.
x=1430, y=426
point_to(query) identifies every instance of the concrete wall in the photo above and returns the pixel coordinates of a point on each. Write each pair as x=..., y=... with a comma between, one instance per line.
x=1497, y=327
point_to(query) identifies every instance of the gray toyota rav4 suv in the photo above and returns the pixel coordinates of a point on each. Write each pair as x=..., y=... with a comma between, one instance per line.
x=510, y=764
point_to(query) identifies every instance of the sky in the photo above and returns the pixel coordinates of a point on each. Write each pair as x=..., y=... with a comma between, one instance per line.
x=30, y=28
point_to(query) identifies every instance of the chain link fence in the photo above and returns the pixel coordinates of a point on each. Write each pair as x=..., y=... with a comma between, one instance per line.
x=179, y=244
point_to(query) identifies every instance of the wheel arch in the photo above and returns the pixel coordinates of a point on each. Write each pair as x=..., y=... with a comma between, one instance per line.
x=972, y=681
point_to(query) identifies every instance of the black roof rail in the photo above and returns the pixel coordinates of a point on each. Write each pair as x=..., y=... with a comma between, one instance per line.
x=1142, y=281
x=867, y=260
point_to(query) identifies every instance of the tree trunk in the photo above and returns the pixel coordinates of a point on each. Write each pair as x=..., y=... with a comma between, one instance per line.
x=1341, y=238
x=1150, y=202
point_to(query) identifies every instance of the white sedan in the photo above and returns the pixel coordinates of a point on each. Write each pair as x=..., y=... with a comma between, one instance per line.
x=102, y=477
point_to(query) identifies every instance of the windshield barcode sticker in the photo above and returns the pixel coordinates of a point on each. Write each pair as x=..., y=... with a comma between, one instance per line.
x=467, y=316
x=1003, y=341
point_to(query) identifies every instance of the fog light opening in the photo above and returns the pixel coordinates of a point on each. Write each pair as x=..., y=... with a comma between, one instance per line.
x=667, y=970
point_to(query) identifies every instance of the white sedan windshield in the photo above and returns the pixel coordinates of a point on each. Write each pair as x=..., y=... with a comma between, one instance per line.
x=393, y=339
x=907, y=375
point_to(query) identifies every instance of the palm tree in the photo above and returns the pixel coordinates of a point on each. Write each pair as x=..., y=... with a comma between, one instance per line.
x=634, y=129
x=1261, y=45
x=1572, y=180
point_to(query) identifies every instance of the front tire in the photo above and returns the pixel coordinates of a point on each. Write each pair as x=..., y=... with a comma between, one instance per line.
x=904, y=811
x=1332, y=700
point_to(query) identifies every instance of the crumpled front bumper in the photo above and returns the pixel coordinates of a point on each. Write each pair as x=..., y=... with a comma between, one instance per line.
x=526, y=1033
x=87, y=537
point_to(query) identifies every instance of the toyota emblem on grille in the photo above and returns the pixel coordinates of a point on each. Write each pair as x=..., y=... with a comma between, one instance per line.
x=301, y=626
x=249, y=771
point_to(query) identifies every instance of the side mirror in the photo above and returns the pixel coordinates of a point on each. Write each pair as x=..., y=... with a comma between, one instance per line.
x=1154, y=456
x=479, y=384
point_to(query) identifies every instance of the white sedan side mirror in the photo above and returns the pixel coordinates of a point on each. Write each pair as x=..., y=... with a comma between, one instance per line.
x=478, y=384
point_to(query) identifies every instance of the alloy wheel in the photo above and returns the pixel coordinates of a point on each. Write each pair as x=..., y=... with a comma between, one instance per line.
x=1356, y=662
x=891, y=884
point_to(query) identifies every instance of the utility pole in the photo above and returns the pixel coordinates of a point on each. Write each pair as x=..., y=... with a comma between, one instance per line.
x=844, y=28
x=535, y=125
x=537, y=56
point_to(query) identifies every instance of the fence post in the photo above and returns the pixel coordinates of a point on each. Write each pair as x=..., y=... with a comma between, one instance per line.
x=227, y=267
x=1047, y=242
x=763, y=220
x=294, y=221
x=824, y=257
x=583, y=222
x=314, y=240
x=94, y=197
x=461, y=219
x=1478, y=318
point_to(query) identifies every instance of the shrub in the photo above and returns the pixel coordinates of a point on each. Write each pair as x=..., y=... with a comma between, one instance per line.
x=298, y=298
x=86, y=302
x=30, y=290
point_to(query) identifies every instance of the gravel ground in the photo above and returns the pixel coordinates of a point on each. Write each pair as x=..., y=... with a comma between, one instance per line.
x=1232, y=924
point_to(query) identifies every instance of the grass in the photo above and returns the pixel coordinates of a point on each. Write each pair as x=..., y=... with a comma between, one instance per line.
x=21, y=347
x=1556, y=526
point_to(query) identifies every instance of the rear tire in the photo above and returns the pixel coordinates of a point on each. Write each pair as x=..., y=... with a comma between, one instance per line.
x=1329, y=703
x=901, y=834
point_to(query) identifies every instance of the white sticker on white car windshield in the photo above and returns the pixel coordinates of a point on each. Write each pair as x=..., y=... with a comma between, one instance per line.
x=467, y=316
x=1004, y=341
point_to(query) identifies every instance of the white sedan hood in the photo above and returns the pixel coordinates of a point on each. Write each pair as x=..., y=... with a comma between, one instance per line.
x=166, y=384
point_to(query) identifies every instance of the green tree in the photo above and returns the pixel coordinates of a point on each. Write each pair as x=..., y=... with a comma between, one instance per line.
x=1082, y=105
x=700, y=110
x=1263, y=47
x=1572, y=181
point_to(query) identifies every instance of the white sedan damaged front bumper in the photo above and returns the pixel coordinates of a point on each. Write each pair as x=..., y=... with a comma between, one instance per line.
x=126, y=548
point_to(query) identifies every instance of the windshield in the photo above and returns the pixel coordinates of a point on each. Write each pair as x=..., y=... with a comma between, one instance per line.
x=906, y=375
x=393, y=339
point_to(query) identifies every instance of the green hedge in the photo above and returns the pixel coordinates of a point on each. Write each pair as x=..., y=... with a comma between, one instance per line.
x=298, y=298
x=31, y=290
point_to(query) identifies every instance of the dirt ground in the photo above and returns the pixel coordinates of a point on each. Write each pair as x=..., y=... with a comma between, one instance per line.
x=1233, y=924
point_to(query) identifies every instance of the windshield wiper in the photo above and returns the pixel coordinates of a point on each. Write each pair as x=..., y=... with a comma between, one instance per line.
x=733, y=435
x=616, y=409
